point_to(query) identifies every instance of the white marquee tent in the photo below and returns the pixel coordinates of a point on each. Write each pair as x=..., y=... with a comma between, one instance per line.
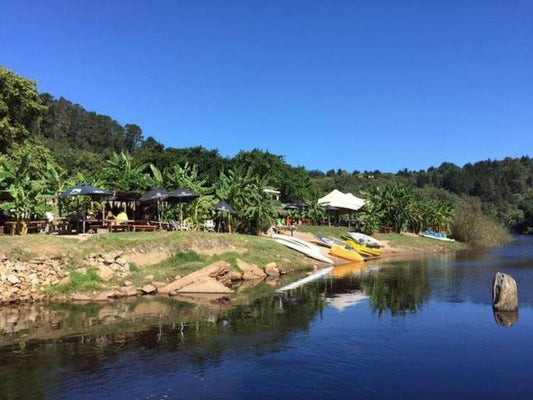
x=346, y=201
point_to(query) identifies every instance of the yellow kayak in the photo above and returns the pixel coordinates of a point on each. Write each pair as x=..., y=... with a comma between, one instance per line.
x=342, y=252
x=363, y=250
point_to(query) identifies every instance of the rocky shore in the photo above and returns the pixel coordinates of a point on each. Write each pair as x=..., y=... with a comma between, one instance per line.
x=28, y=281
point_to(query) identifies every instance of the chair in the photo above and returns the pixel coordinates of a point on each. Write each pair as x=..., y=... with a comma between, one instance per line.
x=209, y=226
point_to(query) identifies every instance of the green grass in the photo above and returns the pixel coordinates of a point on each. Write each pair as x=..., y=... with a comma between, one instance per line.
x=190, y=251
x=88, y=282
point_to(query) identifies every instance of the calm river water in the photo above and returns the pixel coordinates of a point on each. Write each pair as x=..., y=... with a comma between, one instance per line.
x=420, y=329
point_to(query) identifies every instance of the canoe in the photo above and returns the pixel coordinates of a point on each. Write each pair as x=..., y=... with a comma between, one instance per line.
x=363, y=250
x=346, y=253
x=306, y=248
x=436, y=236
x=365, y=239
x=328, y=241
x=297, y=241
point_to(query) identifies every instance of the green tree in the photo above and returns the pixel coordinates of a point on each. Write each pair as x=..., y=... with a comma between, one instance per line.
x=20, y=109
x=120, y=173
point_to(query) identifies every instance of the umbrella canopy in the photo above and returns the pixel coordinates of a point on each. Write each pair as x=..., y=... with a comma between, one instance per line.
x=84, y=189
x=290, y=206
x=153, y=195
x=223, y=206
x=182, y=196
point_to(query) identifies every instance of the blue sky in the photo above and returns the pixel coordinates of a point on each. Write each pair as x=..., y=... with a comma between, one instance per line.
x=328, y=84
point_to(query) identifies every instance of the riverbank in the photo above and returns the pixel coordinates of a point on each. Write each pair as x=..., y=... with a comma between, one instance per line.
x=48, y=268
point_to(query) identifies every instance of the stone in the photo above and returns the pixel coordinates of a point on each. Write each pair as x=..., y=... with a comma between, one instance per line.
x=109, y=259
x=105, y=272
x=218, y=269
x=104, y=296
x=66, y=280
x=250, y=271
x=13, y=279
x=236, y=276
x=504, y=293
x=128, y=283
x=172, y=293
x=80, y=297
x=115, y=266
x=128, y=291
x=149, y=277
x=159, y=284
x=206, y=285
x=148, y=289
x=271, y=269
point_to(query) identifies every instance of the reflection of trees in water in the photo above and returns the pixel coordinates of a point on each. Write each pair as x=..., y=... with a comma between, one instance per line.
x=399, y=288
x=262, y=326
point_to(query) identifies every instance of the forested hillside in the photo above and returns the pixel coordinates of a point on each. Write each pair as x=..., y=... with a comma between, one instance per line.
x=505, y=187
x=75, y=144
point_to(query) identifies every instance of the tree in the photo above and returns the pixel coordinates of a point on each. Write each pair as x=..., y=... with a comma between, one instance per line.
x=119, y=173
x=25, y=189
x=133, y=137
x=20, y=109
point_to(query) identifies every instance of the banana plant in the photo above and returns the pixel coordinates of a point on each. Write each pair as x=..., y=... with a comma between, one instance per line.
x=26, y=192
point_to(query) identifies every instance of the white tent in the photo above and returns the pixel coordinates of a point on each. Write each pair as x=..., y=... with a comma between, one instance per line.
x=341, y=200
x=357, y=200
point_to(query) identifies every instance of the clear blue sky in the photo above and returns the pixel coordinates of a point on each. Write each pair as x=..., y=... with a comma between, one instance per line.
x=328, y=84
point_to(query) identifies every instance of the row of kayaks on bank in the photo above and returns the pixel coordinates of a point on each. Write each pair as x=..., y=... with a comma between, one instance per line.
x=355, y=247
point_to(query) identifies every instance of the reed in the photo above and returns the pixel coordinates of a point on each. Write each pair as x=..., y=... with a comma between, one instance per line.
x=471, y=226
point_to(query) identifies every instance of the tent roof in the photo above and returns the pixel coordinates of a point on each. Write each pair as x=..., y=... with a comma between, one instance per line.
x=341, y=200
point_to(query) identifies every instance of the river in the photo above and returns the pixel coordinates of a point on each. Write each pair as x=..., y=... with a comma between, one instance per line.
x=414, y=329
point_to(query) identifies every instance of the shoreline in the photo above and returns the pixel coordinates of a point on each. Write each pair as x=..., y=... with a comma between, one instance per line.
x=53, y=269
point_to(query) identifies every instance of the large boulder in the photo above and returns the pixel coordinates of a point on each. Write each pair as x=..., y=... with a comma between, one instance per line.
x=271, y=269
x=206, y=285
x=148, y=289
x=250, y=271
x=504, y=293
x=105, y=272
x=220, y=271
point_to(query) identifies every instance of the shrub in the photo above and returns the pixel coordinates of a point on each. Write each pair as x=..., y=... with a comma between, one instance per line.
x=470, y=225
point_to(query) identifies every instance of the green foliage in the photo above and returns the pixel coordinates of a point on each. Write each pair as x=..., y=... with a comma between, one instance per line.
x=26, y=188
x=120, y=173
x=20, y=109
x=470, y=225
x=79, y=282
x=399, y=208
x=73, y=140
x=247, y=194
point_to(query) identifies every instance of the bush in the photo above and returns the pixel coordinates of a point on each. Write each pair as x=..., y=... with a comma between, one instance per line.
x=470, y=225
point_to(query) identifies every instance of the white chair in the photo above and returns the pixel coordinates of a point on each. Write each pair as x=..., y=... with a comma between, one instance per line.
x=209, y=226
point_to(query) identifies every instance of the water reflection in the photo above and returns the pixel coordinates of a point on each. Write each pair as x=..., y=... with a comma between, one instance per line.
x=506, y=318
x=54, y=346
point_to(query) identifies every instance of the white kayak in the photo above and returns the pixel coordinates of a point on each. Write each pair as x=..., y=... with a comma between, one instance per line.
x=365, y=239
x=302, y=246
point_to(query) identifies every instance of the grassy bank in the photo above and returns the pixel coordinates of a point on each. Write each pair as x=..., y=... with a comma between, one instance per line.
x=162, y=256
x=159, y=256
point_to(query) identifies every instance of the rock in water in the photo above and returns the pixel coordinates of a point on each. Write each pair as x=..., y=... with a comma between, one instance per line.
x=504, y=293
